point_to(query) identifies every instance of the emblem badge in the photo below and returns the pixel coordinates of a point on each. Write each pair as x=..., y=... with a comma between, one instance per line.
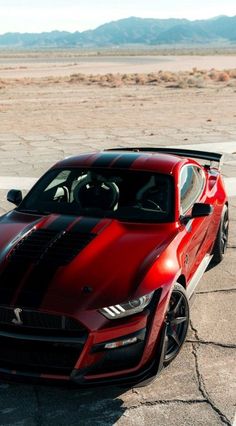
x=17, y=320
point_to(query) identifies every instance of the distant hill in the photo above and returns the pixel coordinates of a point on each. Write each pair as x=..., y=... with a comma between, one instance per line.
x=132, y=31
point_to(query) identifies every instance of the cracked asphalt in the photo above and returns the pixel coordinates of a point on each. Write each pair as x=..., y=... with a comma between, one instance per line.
x=198, y=388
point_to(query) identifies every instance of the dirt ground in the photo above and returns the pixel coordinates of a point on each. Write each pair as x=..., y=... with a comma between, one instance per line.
x=45, y=120
x=41, y=123
x=43, y=64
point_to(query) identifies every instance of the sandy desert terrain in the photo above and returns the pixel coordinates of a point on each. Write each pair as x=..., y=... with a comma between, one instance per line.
x=44, y=118
x=51, y=110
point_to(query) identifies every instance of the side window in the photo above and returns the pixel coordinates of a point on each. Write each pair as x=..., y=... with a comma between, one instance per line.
x=191, y=186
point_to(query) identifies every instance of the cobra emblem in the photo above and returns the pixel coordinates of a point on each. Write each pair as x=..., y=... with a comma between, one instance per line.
x=17, y=320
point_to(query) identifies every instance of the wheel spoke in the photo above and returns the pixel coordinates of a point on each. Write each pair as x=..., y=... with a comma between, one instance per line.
x=178, y=320
x=174, y=336
x=175, y=310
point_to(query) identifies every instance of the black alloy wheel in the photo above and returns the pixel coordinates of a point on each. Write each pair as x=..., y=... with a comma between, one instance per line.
x=222, y=237
x=225, y=232
x=177, y=320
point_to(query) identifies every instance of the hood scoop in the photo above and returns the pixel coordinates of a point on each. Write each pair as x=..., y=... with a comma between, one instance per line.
x=44, y=245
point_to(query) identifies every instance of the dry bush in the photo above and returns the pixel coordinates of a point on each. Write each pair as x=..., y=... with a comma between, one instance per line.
x=194, y=70
x=223, y=76
x=232, y=73
x=183, y=79
x=213, y=75
x=127, y=79
x=196, y=82
x=107, y=80
x=167, y=77
x=77, y=78
x=141, y=79
x=179, y=84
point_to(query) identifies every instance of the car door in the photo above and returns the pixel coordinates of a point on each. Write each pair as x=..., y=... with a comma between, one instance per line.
x=192, y=183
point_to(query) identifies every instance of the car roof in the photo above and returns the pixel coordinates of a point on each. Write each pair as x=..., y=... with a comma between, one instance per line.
x=146, y=161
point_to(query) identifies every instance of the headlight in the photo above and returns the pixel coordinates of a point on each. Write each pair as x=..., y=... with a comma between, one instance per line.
x=125, y=309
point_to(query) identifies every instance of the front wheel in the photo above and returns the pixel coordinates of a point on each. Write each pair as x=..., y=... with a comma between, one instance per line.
x=177, y=320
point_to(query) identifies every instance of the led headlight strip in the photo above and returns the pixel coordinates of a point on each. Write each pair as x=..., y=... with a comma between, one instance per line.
x=128, y=308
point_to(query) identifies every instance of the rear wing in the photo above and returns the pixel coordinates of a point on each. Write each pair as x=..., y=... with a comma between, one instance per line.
x=212, y=157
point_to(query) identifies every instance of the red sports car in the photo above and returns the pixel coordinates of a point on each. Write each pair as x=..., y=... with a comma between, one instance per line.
x=99, y=260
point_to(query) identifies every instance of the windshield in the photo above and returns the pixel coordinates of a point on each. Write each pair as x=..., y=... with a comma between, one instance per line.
x=126, y=195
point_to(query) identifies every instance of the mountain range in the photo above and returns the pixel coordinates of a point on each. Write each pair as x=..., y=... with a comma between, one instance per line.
x=132, y=31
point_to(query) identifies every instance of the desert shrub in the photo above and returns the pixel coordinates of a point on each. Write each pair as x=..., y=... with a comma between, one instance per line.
x=223, y=76
x=232, y=73
x=213, y=74
x=167, y=76
x=77, y=78
x=196, y=82
x=140, y=79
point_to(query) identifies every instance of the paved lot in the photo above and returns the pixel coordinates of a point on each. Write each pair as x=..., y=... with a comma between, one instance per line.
x=197, y=389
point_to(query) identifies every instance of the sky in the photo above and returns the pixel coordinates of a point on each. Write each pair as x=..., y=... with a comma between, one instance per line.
x=80, y=15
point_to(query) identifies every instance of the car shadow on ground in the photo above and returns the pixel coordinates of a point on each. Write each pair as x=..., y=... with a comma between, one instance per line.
x=49, y=405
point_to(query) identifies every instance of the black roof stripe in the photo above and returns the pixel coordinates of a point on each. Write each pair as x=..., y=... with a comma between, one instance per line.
x=105, y=159
x=125, y=161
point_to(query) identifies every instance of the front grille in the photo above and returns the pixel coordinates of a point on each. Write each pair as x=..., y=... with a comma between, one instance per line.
x=40, y=357
x=44, y=343
x=50, y=246
x=40, y=320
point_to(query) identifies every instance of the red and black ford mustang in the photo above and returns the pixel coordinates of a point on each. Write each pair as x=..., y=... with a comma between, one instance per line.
x=99, y=261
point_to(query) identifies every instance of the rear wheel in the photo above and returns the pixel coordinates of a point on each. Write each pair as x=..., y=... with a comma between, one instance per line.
x=222, y=237
x=177, y=320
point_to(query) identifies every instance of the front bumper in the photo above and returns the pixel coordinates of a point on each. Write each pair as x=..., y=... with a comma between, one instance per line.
x=82, y=357
x=82, y=378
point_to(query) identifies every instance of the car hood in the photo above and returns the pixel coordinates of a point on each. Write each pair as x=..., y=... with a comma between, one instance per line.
x=66, y=263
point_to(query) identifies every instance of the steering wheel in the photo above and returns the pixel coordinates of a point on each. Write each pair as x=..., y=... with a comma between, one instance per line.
x=96, y=194
x=150, y=200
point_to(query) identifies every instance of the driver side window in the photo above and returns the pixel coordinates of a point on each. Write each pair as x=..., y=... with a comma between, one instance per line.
x=191, y=186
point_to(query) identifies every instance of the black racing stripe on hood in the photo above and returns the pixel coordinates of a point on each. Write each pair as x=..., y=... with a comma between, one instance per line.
x=105, y=159
x=85, y=225
x=125, y=161
x=17, y=268
x=61, y=223
x=42, y=275
x=37, y=285
x=10, y=279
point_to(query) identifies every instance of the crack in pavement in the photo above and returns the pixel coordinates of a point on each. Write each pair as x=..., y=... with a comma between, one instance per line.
x=200, y=379
x=209, y=342
x=167, y=402
x=220, y=290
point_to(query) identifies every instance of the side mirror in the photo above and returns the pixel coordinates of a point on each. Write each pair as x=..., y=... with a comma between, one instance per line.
x=201, y=209
x=14, y=196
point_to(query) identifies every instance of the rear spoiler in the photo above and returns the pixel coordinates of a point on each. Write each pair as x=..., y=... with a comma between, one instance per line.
x=213, y=157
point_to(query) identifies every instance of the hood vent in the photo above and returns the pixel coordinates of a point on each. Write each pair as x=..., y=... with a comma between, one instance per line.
x=66, y=247
x=33, y=245
x=44, y=245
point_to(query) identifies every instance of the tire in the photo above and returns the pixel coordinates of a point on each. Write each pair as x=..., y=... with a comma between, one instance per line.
x=177, y=320
x=220, y=245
